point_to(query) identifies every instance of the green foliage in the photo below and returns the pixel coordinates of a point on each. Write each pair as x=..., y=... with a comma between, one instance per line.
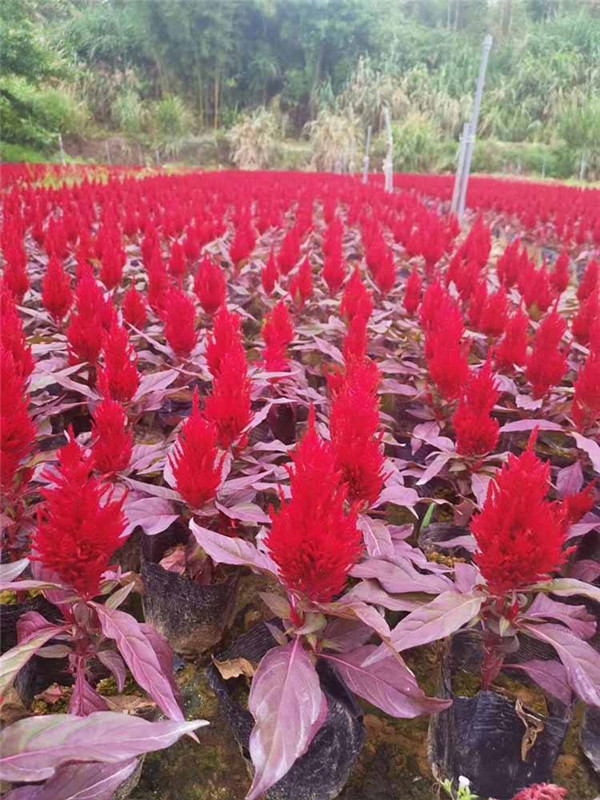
x=254, y=139
x=128, y=113
x=415, y=144
x=17, y=154
x=145, y=66
x=171, y=123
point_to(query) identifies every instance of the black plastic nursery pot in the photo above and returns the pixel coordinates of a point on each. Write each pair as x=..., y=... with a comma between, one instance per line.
x=484, y=738
x=11, y=613
x=192, y=617
x=322, y=772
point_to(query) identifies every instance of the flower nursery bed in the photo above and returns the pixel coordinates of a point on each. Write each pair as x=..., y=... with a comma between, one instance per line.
x=299, y=480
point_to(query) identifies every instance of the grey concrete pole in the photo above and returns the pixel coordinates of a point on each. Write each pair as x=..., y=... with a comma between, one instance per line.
x=487, y=46
x=459, y=167
x=365, y=177
x=388, y=167
x=63, y=159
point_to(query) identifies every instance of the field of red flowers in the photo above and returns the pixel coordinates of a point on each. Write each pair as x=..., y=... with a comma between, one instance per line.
x=299, y=431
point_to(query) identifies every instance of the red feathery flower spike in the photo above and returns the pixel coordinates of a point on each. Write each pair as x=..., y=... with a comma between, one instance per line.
x=134, y=309
x=57, y=296
x=210, y=286
x=113, y=443
x=17, y=432
x=180, y=323
x=79, y=525
x=519, y=533
x=195, y=459
x=120, y=377
x=229, y=405
x=312, y=540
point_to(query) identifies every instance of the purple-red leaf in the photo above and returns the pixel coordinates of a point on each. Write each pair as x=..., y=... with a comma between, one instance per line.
x=229, y=550
x=152, y=514
x=371, y=592
x=376, y=536
x=85, y=699
x=400, y=577
x=83, y=781
x=550, y=675
x=115, y=664
x=387, y=684
x=141, y=658
x=438, y=619
x=589, y=446
x=567, y=587
x=581, y=661
x=286, y=702
x=569, y=480
x=15, y=659
x=529, y=425
x=34, y=748
x=577, y=618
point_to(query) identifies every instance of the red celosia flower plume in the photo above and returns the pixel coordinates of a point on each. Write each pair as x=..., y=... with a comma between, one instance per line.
x=79, y=525
x=579, y=504
x=12, y=335
x=512, y=350
x=278, y=334
x=210, y=286
x=119, y=378
x=227, y=337
x=16, y=277
x=86, y=331
x=180, y=323
x=542, y=791
x=494, y=314
x=17, y=432
x=356, y=440
x=412, y=296
x=587, y=316
x=177, y=262
x=113, y=260
x=57, y=296
x=519, y=533
x=448, y=364
x=158, y=283
x=270, y=273
x=112, y=442
x=590, y=281
x=301, y=285
x=586, y=401
x=547, y=363
x=228, y=407
x=476, y=431
x=195, y=459
x=312, y=540
x=134, y=308
x=357, y=300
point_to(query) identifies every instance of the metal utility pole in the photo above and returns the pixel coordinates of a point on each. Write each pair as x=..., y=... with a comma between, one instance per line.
x=464, y=177
x=388, y=164
x=366, y=159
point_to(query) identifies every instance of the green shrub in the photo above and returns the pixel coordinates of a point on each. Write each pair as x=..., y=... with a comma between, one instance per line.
x=59, y=111
x=415, y=144
x=17, y=154
x=128, y=113
x=171, y=123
